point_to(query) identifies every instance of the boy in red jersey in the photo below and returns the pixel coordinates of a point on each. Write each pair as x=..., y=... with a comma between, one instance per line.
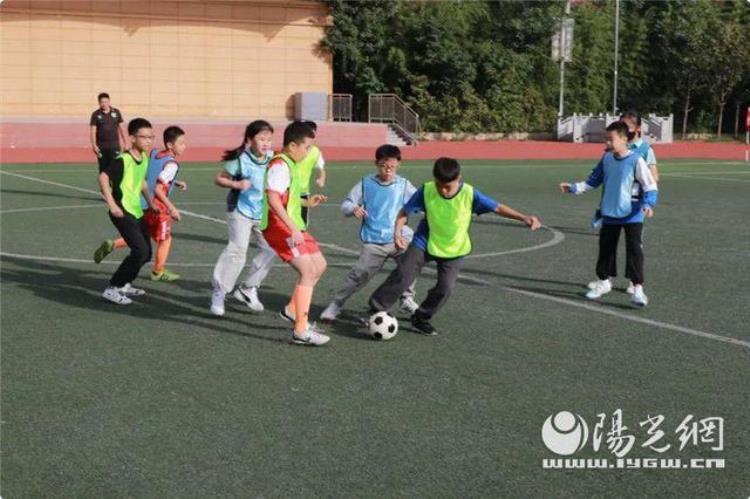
x=285, y=231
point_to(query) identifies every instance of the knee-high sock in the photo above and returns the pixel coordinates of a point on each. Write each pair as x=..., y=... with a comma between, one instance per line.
x=119, y=243
x=162, y=252
x=302, y=300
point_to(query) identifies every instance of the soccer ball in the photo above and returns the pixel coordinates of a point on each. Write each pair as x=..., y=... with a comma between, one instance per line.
x=383, y=326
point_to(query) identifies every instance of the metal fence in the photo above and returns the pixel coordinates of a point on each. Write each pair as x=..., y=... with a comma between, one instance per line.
x=591, y=128
x=389, y=108
x=340, y=107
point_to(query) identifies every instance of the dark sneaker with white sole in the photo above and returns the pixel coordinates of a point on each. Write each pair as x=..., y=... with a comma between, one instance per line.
x=423, y=326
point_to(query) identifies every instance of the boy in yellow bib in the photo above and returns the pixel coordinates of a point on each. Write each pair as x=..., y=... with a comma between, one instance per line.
x=122, y=183
x=313, y=161
x=442, y=236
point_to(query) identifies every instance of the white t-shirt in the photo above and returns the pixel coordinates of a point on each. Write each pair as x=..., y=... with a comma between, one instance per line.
x=277, y=177
x=321, y=163
x=168, y=173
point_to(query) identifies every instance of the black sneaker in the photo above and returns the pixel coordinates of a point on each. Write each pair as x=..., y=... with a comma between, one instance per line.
x=423, y=326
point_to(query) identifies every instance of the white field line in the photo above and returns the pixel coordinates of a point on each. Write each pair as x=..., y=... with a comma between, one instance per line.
x=704, y=177
x=688, y=172
x=531, y=294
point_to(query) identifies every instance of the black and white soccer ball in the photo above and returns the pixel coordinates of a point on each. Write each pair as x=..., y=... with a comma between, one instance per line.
x=382, y=326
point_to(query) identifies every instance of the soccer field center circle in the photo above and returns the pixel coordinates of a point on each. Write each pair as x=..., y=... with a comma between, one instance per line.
x=557, y=238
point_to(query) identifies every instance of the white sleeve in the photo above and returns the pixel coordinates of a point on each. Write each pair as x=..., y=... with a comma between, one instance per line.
x=409, y=191
x=581, y=187
x=169, y=172
x=644, y=176
x=277, y=178
x=353, y=199
x=321, y=163
x=651, y=157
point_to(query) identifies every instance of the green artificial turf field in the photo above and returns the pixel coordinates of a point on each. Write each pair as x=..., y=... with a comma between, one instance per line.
x=161, y=399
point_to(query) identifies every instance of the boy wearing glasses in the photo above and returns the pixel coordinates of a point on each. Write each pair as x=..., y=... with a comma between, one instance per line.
x=122, y=183
x=376, y=200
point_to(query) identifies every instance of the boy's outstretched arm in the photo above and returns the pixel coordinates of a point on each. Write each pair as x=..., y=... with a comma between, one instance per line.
x=594, y=180
x=532, y=221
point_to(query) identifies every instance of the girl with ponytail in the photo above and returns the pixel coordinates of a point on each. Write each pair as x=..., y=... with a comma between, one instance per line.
x=243, y=173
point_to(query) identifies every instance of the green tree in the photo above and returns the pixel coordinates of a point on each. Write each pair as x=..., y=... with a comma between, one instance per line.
x=729, y=53
x=683, y=35
x=486, y=65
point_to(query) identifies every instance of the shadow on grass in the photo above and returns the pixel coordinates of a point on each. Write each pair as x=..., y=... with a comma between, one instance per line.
x=80, y=289
x=189, y=236
x=575, y=291
x=51, y=194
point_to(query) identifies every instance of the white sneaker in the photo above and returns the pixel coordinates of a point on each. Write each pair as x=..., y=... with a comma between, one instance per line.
x=408, y=305
x=309, y=337
x=217, y=302
x=249, y=296
x=639, y=298
x=600, y=288
x=631, y=288
x=593, y=284
x=129, y=290
x=115, y=296
x=331, y=313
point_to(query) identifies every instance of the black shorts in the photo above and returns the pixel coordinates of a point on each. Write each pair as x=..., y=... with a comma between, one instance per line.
x=107, y=156
x=305, y=211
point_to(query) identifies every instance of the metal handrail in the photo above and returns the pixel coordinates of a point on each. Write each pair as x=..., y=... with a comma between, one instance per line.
x=390, y=108
x=340, y=107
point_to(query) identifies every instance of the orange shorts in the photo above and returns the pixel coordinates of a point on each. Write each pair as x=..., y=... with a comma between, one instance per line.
x=159, y=226
x=277, y=240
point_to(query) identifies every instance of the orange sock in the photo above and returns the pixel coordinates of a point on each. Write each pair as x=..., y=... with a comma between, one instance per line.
x=119, y=243
x=303, y=298
x=162, y=252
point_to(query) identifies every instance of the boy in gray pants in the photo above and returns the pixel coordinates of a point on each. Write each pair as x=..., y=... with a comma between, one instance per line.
x=376, y=200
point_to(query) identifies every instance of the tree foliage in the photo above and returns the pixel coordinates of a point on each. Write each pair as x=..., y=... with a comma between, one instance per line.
x=486, y=65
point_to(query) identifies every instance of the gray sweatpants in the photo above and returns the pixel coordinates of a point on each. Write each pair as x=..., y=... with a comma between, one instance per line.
x=371, y=260
x=409, y=267
x=232, y=259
